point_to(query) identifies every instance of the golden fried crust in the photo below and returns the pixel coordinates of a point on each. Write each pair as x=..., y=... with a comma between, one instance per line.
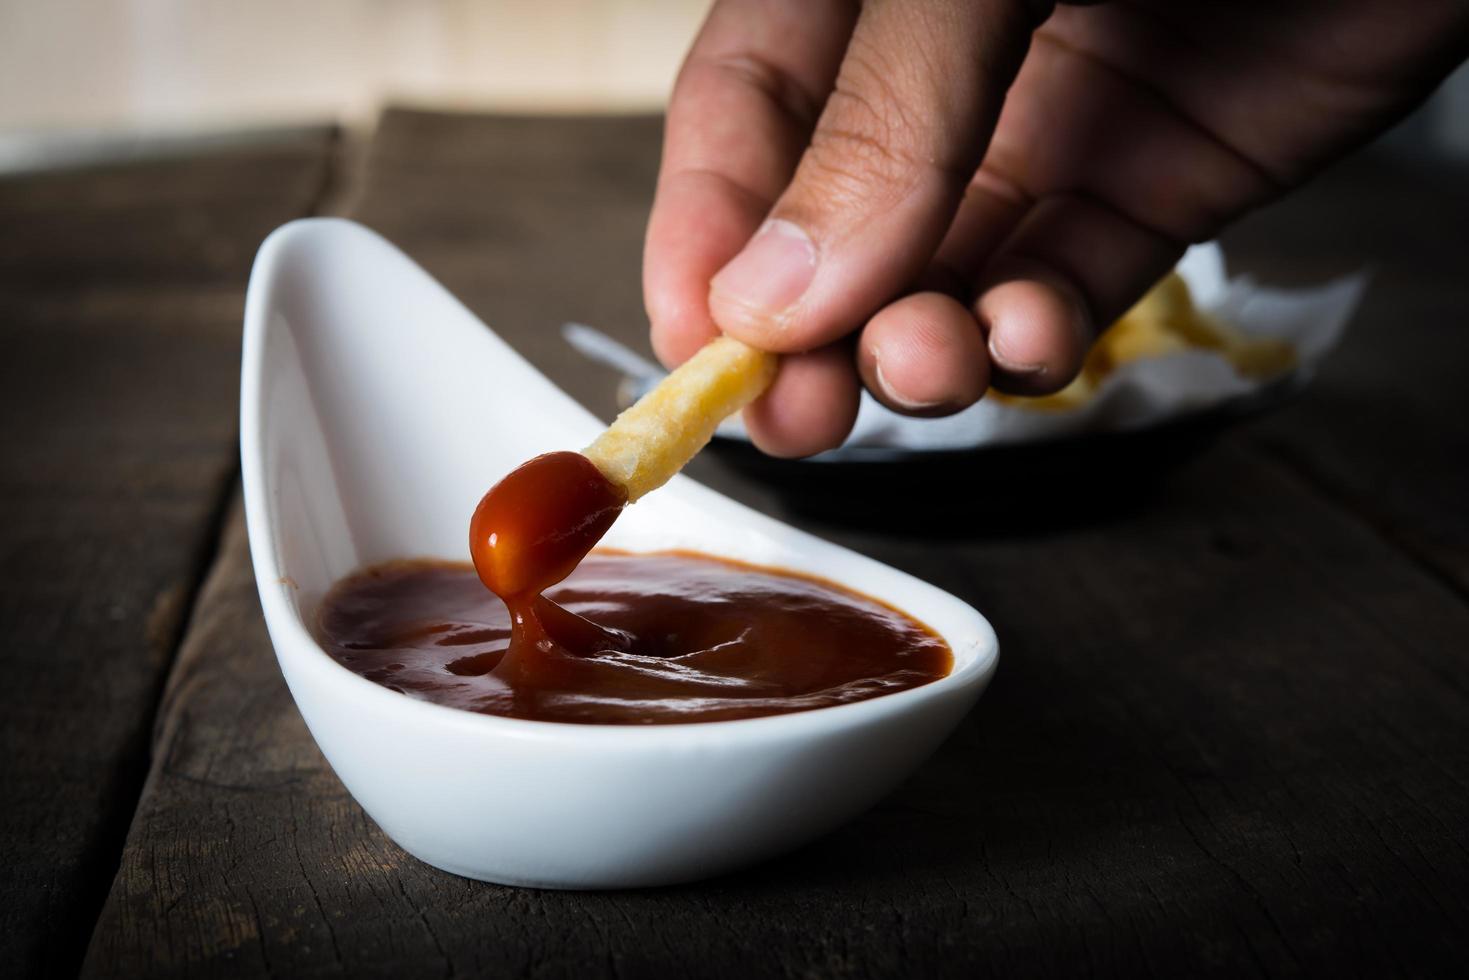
x=653, y=439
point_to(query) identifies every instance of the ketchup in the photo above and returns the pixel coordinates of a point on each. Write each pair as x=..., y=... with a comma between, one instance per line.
x=527, y=534
x=695, y=639
x=613, y=638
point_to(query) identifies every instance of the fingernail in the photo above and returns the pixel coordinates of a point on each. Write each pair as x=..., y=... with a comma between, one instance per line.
x=1007, y=362
x=911, y=404
x=772, y=271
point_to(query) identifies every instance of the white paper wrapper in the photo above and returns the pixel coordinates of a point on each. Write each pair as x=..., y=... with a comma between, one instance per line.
x=1136, y=395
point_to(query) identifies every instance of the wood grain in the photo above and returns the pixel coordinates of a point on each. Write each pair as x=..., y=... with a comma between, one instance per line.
x=1383, y=431
x=120, y=298
x=1229, y=735
x=531, y=221
x=1227, y=738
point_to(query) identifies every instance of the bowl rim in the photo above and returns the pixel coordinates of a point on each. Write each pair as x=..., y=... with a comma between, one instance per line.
x=294, y=642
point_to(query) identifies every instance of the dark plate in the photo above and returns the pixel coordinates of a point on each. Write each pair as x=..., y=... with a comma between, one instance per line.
x=1015, y=488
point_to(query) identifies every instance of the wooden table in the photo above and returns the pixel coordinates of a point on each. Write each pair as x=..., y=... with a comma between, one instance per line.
x=1229, y=734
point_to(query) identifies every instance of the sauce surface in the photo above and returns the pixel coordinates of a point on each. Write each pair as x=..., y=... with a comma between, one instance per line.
x=626, y=640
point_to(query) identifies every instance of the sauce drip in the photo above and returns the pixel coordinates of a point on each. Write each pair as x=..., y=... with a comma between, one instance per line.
x=527, y=534
x=697, y=639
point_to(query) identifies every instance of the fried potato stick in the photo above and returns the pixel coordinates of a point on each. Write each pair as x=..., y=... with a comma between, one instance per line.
x=653, y=439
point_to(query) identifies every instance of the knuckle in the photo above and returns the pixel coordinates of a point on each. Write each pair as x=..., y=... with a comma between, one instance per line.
x=852, y=164
x=870, y=145
x=756, y=74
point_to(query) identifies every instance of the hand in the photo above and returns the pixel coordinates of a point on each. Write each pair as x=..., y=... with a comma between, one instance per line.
x=973, y=187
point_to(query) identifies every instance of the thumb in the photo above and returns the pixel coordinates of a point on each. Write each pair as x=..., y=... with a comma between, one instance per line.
x=902, y=133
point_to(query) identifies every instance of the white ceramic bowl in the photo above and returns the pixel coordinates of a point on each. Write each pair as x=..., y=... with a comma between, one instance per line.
x=375, y=411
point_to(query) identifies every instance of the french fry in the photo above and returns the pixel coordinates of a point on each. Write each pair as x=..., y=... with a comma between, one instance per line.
x=1253, y=357
x=1132, y=338
x=1168, y=300
x=652, y=440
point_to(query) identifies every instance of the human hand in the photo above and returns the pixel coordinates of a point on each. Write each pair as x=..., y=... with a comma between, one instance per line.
x=972, y=188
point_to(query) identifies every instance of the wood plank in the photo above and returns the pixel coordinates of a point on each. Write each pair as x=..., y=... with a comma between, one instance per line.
x=1229, y=736
x=527, y=227
x=120, y=297
x=1384, y=429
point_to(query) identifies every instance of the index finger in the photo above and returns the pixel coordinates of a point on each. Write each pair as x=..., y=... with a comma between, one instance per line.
x=742, y=111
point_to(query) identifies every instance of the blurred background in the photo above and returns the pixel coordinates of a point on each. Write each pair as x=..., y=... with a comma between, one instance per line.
x=76, y=68
x=73, y=70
